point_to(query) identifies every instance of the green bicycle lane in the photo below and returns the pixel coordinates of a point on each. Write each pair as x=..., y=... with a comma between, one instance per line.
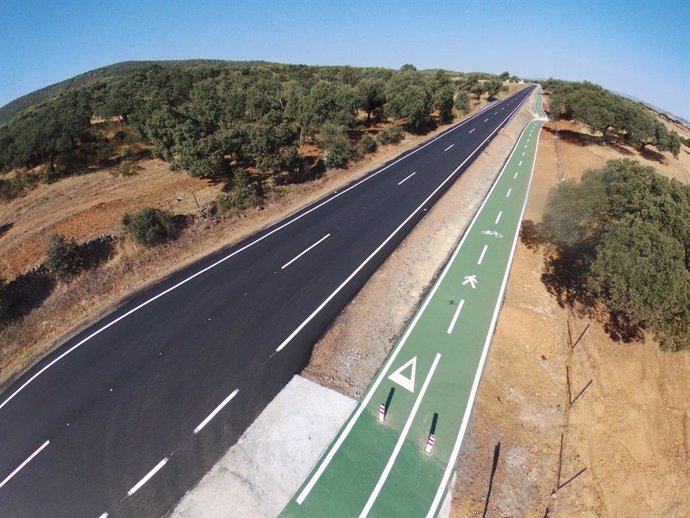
x=427, y=386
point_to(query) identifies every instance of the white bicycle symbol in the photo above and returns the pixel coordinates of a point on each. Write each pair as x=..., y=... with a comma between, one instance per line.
x=492, y=233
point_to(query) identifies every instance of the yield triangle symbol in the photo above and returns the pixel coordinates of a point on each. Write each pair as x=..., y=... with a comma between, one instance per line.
x=404, y=380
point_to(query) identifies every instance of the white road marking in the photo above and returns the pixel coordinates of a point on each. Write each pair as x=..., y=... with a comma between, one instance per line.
x=449, y=147
x=455, y=316
x=401, y=440
x=304, y=252
x=21, y=466
x=520, y=163
x=390, y=236
x=486, y=120
x=495, y=113
x=215, y=411
x=450, y=465
x=472, y=130
x=398, y=347
x=232, y=254
x=508, y=193
x=406, y=382
x=408, y=177
x=481, y=256
x=148, y=476
x=104, y=515
x=523, y=153
x=515, y=176
x=498, y=218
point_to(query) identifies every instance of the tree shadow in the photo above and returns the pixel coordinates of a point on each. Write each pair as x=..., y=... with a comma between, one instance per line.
x=653, y=155
x=531, y=235
x=26, y=292
x=97, y=251
x=5, y=227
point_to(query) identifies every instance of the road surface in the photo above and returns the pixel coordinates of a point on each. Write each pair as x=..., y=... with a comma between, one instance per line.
x=124, y=417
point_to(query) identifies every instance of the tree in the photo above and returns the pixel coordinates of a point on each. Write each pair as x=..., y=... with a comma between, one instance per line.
x=408, y=97
x=504, y=76
x=462, y=102
x=371, y=95
x=493, y=87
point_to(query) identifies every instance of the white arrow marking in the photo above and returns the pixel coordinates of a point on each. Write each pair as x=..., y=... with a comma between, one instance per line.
x=471, y=280
x=402, y=380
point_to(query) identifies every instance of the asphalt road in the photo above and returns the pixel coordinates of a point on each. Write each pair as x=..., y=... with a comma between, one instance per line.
x=124, y=417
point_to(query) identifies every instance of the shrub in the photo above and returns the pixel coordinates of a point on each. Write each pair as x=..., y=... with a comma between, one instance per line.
x=150, y=226
x=340, y=154
x=64, y=259
x=390, y=135
x=244, y=194
x=128, y=168
x=367, y=145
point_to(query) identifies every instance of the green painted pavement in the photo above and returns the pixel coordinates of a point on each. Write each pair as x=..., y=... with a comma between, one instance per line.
x=380, y=468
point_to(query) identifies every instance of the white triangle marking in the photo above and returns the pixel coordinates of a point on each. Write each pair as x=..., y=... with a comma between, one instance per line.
x=403, y=380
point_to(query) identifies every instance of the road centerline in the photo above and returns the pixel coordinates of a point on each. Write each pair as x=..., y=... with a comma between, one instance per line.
x=498, y=218
x=455, y=317
x=403, y=435
x=407, y=178
x=448, y=148
x=508, y=193
x=148, y=476
x=304, y=252
x=472, y=130
x=215, y=411
x=481, y=256
x=23, y=464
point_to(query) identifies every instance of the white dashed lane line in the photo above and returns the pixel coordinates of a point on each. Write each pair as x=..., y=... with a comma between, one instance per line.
x=215, y=411
x=23, y=464
x=407, y=178
x=148, y=476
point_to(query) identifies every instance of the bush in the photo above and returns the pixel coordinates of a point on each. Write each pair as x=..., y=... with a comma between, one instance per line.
x=367, y=145
x=390, y=135
x=127, y=168
x=149, y=226
x=17, y=186
x=64, y=259
x=244, y=193
x=5, y=306
x=340, y=154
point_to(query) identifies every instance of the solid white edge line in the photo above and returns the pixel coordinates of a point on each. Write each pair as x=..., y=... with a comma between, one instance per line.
x=481, y=256
x=508, y=193
x=448, y=148
x=498, y=218
x=223, y=259
x=215, y=411
x=406, y=178
x=148, y=476
x=359, y=409
x=450, y=466
x=455, y=317
x=401, y=440
x=21, y=466
x=304, y=252
x=385, y=241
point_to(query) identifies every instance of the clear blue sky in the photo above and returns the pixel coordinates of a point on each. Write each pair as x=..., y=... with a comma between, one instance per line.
x=641, y=48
